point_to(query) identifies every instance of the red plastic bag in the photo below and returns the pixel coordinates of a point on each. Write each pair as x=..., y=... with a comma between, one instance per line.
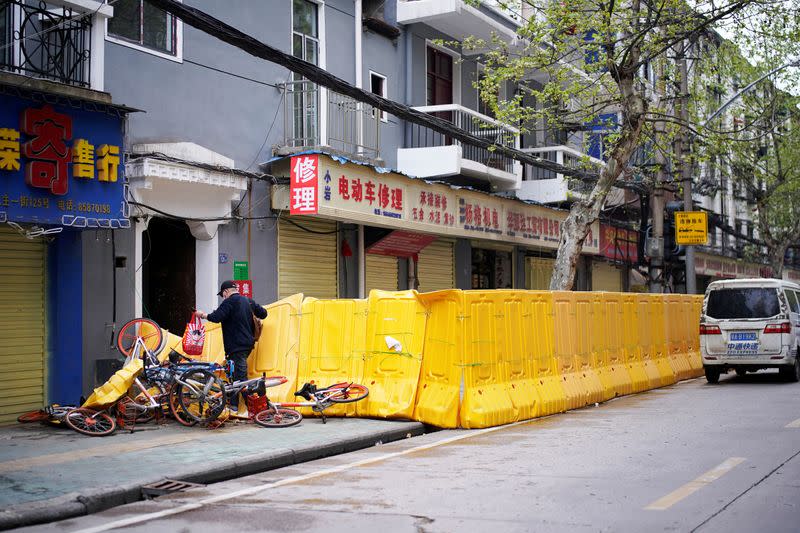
x=194, y=336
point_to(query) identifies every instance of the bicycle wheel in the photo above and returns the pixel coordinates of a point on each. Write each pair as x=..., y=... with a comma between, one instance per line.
x=40, y=415
x=278, y=417
x=143, y=328
x=89, y=422
x=346, y=393
x=139, y=405
x=176, y=411
x=200, y=394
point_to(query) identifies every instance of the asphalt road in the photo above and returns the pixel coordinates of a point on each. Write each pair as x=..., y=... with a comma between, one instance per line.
x=688, y=457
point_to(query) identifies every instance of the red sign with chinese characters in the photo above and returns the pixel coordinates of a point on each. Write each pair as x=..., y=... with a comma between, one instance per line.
x=401, y=243
x=619, y=244
x=304, y=185
x=245, y=287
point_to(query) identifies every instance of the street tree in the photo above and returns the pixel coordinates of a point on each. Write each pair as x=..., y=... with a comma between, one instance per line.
x=596, y=56
x=759, y=142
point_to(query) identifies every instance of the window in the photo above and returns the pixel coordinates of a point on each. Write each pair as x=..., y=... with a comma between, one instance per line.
x=743, y=303
x=377, y=85
x=304, y=95
x=137, y=23
x=305, y=31
x=793, y=302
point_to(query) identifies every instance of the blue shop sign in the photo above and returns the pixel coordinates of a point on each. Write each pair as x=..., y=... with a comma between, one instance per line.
x=61, y=165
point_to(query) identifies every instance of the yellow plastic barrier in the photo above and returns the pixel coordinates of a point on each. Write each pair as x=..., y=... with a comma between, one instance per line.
x=276, y=353
x=395, y=335
x=116, y=386
x=677, y=335
x=513, y=338
x=540, y=349
x=331, y=348
x=612, y=321
x=659, y=336
x=572, y=324
x=633, y=357
x=438, y=392
x=647, y=349
x=695, y=308
x=601, y=337
x=486, y=400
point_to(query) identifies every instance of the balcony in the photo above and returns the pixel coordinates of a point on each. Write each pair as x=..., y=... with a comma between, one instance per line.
x=549, y=187
x=60, y=41
x=315, y=117
x=457, y=19
x=432, y=155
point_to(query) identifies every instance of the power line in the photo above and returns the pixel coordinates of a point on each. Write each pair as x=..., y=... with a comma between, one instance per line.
x=214, y=27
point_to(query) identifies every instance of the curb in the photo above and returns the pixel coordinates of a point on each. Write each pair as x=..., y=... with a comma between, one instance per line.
x=102, y=498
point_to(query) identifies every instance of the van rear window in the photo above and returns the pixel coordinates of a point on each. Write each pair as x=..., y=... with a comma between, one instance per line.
x=743, y=303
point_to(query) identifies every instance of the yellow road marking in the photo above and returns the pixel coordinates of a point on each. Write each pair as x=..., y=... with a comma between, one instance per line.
x=98, y=451
x=696, y=484
x=795, y=424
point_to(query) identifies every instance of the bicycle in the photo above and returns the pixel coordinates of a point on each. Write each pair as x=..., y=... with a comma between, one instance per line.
x=317, y=399
x=150, y=394
x=83, y=420
x=203, y=396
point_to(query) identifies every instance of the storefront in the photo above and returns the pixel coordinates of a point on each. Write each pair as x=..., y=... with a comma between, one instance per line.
x=307, y=257
x=619, y=252
x=61, y=173
x=538, y=272
x=425, y=221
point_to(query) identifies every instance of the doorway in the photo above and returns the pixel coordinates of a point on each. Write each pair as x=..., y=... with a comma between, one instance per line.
x=168, y=274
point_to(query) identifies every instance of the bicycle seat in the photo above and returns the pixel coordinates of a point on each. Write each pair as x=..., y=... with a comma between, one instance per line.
x=306, y=391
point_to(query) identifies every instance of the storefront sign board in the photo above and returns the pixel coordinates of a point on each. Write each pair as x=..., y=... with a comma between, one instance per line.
x=359, y=194
x=61, y=165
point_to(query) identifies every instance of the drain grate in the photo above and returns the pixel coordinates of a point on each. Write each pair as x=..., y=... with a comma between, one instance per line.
x=166, y=486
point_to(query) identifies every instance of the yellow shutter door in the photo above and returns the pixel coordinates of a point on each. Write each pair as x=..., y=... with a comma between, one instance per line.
x=606, y=277
x=435, y=270
x=538, y=271
x=381, y=272
x=307, y=258
x=22, y=324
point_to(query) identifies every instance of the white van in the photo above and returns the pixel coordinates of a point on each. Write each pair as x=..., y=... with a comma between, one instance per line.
x=750, y=324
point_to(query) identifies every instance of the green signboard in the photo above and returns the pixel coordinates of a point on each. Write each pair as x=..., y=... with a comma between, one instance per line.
x=240, y=270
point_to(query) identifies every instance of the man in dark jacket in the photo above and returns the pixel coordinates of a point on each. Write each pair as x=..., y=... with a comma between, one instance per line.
x=235, y=314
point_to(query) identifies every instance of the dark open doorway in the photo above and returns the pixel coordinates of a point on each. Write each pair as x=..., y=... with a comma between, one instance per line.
x=168, y=274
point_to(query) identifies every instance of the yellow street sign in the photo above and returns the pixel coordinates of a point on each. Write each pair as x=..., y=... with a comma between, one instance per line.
x=691, y=227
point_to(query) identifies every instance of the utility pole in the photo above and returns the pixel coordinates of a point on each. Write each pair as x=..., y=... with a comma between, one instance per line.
x=656, y=248
x=682, y=149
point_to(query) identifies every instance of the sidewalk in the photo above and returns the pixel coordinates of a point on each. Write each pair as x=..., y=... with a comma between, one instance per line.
x=49, y=473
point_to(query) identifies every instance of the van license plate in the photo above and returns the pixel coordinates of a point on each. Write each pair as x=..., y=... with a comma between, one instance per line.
x=749, y=336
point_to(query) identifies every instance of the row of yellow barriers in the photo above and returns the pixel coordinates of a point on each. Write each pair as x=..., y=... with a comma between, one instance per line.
x=477, y=358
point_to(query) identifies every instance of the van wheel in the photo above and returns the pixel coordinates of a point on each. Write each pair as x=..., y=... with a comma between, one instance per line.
x=792, y=373
x=741, y=372
x=712, y=374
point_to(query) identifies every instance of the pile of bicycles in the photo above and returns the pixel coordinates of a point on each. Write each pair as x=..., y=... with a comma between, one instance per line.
x=188, y=391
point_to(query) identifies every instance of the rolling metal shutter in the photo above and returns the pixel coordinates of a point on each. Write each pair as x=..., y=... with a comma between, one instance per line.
x=606, y=277
x=307, y=262
x=22, y=324
x=538, y=271
x=436, y=270
x=381, y=273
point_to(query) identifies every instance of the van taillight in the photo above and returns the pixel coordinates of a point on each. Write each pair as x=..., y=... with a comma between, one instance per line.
x=783, y=327
x=709, y=330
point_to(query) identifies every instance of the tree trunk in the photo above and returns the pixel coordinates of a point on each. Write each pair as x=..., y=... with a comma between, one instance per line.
x=776, y=256
x=584, y=212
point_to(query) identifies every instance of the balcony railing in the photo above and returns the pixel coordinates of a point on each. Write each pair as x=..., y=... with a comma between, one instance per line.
x=563, y=155
x=473, y=123
x=46, y=40
x=349, y=126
